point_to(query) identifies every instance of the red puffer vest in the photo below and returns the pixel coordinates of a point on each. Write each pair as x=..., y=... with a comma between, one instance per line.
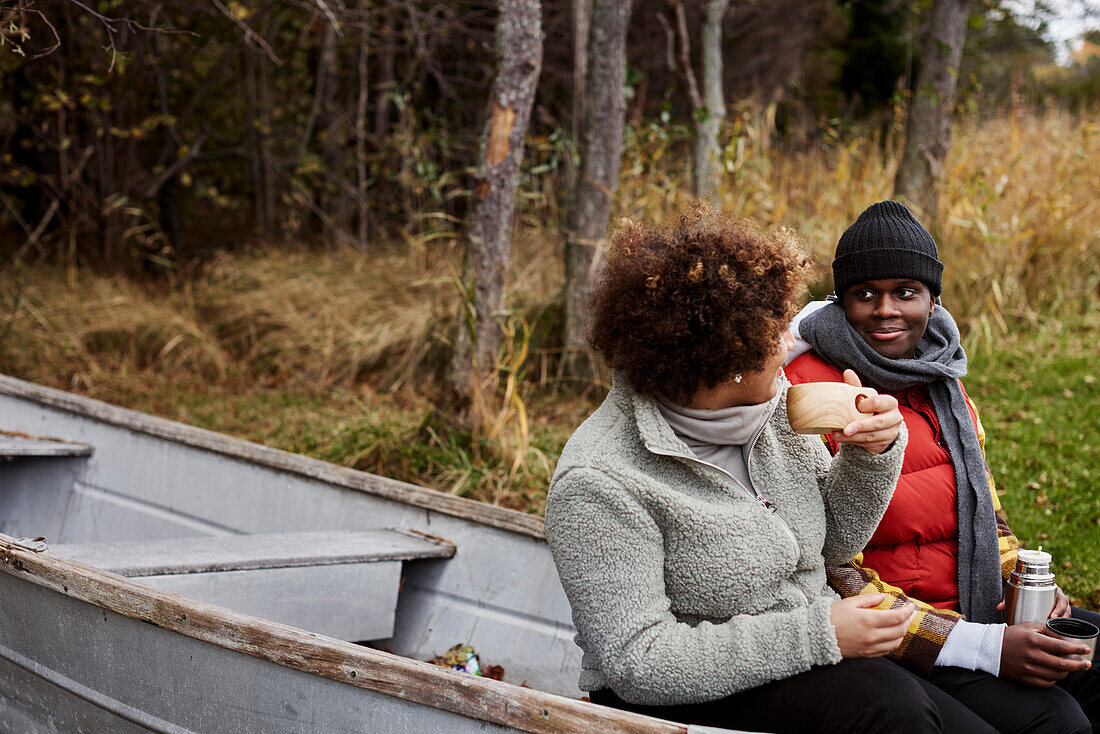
x=916, y=545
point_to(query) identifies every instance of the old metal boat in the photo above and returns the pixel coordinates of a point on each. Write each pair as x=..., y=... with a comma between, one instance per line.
x=160, y=577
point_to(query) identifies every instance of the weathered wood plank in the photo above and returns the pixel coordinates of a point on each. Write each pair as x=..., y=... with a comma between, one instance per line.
x=208, y=553
x=498, y=517
x=14, y=444
x=487, y=700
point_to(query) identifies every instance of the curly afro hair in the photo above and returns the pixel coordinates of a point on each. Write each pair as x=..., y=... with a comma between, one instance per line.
x=677, y=308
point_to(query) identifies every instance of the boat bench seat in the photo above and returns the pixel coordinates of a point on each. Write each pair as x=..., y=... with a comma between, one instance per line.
x=13, y=445
x=340, y=583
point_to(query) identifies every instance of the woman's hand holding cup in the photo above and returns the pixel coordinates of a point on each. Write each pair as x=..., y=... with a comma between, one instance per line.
x=880, y=429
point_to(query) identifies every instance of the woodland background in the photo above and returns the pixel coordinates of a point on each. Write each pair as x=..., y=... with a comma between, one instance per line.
x=256, y=217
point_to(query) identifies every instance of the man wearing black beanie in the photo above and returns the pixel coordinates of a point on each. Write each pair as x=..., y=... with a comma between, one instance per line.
x=944, y=542
x=887, y=242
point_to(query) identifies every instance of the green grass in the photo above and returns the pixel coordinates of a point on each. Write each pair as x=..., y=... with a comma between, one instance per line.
x=336, y=353
x=398, y=435
x=1038, y=393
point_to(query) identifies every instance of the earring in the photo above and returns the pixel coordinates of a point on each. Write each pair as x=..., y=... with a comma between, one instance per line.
x=737, y=377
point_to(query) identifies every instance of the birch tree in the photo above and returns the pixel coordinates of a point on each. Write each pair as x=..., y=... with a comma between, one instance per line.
x=600, y=147
x=473, y=375
x=708, y=104
x=928, y=130
x=708, y=151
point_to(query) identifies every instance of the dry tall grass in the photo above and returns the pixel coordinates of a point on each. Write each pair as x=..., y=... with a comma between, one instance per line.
x=1019, y=233
x=1020, y=236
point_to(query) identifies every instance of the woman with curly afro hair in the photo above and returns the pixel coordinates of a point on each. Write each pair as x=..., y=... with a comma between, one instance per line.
x=691, y=526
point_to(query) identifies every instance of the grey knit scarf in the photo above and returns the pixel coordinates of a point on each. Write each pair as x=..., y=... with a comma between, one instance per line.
x=939, y=362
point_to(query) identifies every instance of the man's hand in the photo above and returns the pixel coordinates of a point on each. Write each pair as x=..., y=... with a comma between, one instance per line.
x=863, y=632
x=876, y=433
x=1030, y=655
x=1061, y=604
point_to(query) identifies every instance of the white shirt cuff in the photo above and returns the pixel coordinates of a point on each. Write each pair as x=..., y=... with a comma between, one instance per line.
x=973, y=646
x=801, y=346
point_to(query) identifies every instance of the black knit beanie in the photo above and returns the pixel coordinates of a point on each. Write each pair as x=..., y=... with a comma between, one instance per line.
x=886, y=242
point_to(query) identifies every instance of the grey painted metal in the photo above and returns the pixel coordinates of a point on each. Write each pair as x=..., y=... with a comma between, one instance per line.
x=342, y=584
x=35, y=496
x=500, y=592
x=72, y=666
x=14, y=445
x=350, y=601
x=181, y=434
x=36, y=700
x=126, y=676
x=380, y=672
x=201, y=554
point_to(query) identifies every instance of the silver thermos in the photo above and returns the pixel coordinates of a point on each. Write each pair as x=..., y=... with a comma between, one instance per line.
x=1031, y=588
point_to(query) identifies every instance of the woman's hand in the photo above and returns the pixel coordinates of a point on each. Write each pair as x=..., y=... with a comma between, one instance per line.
x=876, y=433
x=1030, y=655
x=863, y=632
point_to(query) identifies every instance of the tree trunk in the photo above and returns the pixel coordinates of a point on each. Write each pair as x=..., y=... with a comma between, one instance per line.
x=324, y=82
x=255, y=151
x=928, y=132
x=582, y=18
x=385, y=85
x=473, y=375
x=267, y=156
x=707, y=154
x=600, y=144
x=361, y=133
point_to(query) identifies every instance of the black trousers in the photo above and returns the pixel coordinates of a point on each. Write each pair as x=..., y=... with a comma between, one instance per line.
x=1072, y=705
x=861, y=696
x=879, y=695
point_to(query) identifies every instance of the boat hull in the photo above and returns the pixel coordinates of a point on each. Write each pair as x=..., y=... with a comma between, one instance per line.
x=86, y=650
x=151, y=478
x=70, y=666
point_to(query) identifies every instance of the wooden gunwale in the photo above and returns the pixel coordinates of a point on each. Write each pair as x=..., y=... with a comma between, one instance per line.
x=497, y=702
x=201, y=438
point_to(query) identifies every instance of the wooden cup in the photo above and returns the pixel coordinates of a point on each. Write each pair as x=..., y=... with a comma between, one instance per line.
x=824, y=407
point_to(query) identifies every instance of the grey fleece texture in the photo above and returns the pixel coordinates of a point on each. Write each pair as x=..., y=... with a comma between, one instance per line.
x=684, y=587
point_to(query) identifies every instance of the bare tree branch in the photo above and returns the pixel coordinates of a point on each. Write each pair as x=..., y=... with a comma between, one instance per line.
x=33, y=237
x=56, y=36
x=332, y=19
x=685, y=54
x=670, y=42
x=249, y=34
x=164, y=176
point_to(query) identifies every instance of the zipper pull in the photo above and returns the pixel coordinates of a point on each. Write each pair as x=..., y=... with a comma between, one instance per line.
x=768, y=506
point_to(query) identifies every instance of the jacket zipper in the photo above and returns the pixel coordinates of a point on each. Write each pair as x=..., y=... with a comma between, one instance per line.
x=771, y=508
x=768, y=505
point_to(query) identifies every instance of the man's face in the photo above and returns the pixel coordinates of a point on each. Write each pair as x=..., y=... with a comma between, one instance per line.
x=890, y=314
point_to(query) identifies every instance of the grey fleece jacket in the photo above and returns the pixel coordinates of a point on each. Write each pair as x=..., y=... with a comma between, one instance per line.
x=685, y=586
